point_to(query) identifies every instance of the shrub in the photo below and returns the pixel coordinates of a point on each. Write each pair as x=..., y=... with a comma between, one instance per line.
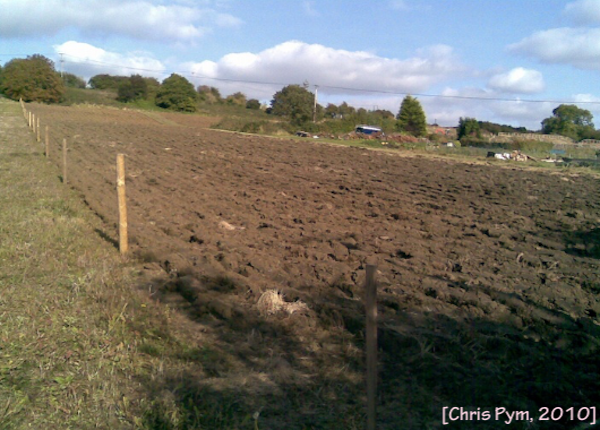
x=253, y=104
x=177, y=93
x=134, y=88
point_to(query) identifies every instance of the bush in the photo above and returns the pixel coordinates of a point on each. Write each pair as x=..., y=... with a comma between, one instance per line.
x=106, y=82
x=177, y=93
x=234, y=123
x=72, y=81
x=134, y=88
x=253, y=104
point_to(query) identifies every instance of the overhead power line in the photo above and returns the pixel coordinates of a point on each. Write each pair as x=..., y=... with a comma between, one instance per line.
x=193, y=75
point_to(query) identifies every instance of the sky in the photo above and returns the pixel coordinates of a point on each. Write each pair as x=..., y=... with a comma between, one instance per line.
x=505, y=61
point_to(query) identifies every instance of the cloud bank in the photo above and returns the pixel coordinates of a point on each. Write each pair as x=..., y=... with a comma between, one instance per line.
x=136, y=19
x=578, y=47
x=86, y=61
x=335, y=70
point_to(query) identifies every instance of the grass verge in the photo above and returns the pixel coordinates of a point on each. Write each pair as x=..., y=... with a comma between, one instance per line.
x=75, y=329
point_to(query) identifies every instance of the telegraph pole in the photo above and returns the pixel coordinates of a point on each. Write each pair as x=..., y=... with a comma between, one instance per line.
x=61, y=64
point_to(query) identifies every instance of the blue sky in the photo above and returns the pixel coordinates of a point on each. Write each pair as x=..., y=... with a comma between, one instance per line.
x=487, y=59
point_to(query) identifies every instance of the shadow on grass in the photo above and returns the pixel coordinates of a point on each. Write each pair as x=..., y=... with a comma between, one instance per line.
x=107, y=238
x=305, y=371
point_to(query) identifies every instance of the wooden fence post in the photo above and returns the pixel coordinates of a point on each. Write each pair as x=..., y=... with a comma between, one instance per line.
x=39, y=139
x=64, y=161
x=47, y=139
x=123, y=241
x=29, y=119
x=371, y=335
x=33, y=123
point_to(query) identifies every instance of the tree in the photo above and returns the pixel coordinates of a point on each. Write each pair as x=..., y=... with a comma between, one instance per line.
x=570, y=121
x=32, y=79
x=177, y=93
x=72, y=81
x=294, y=102
x=492, y=127
x=236, y=99
x=106, y=82
x=152, y=86
x=253, y=104
x=345, y=110
x=411, y=117
x=468, y=127
x=134, y=88
x=209, y=94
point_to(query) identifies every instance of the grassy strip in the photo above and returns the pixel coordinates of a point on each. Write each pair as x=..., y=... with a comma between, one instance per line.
x=73, y=325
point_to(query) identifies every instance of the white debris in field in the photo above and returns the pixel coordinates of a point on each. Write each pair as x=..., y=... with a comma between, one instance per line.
x=226, y=226
x=505, y=156
x=272, y=302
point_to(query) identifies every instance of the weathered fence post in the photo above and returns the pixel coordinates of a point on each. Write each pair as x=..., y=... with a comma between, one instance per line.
x=33, y=123
x=29, y=119
x=47, y=139
x=123, y=241
x=64, y=161
x=38, y=137
x=371, y=335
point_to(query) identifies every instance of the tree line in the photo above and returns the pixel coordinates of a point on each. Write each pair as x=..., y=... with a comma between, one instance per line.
x=36, y=79
x=566, y=120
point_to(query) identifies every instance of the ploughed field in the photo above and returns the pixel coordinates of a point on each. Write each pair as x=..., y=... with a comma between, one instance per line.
x=488, y=275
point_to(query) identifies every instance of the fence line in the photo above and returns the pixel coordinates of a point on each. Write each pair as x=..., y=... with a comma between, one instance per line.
x=33, y=122
x=370, y=281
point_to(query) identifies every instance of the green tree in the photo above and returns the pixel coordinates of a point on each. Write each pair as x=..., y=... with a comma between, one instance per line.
x=345, y=110
x=570, y=121
x=331, y=111
x=411, y=117
x=72, y=81
x=253, y=104
x=236, y=99
x=468, y=127
x=152, y=86
x=177, y=93
x=294, y=102
x=106, y=82
x=209, y=95
x=32, y=79
x=134, y=88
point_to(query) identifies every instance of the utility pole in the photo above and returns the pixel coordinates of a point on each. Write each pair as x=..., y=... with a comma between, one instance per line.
x=315, y=106
x=61, y=64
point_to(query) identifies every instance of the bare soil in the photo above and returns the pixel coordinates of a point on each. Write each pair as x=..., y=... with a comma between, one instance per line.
x=489, y=288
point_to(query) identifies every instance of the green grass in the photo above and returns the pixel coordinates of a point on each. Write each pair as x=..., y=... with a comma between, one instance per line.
x=80, y=344
x=64, y=359
x=89, y=96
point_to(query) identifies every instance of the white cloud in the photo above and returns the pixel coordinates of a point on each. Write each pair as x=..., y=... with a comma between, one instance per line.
x=579, y=47
x=334, y=70
x=137, y=19
x=518, y=80
x=584, y=12
x=86, y=61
